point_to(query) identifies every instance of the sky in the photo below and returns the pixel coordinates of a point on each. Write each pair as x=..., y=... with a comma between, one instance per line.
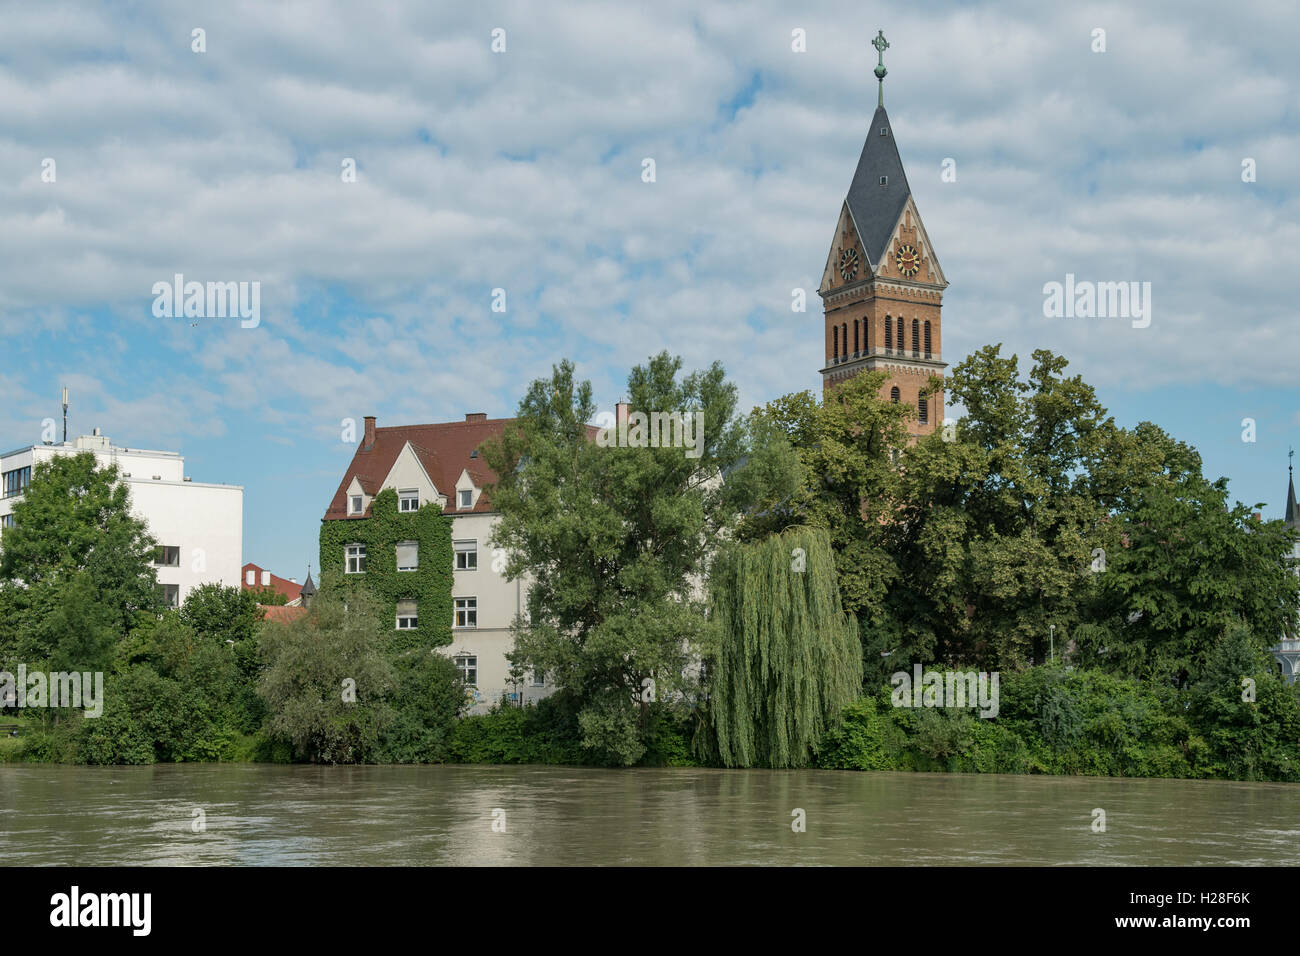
x=521, y=169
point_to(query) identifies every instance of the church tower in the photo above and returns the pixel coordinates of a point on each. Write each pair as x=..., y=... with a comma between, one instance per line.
x=882, y=288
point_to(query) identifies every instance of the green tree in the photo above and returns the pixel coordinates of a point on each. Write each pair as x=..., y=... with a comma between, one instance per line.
x=788, y=657
x=613, y=539
x=327, y=678
x=76, y=567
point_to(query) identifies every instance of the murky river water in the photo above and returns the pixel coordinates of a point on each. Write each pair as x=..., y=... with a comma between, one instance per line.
x=262, y=814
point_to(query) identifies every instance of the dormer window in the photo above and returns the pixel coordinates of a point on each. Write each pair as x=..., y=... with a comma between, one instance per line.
x=357, y=507
x=467, y=498
x=884, y=131
x=884, y=180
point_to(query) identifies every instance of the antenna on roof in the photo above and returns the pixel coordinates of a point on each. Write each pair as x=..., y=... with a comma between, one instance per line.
x=65, y=414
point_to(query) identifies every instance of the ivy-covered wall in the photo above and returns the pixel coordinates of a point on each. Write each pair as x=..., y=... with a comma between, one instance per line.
x=429, y=585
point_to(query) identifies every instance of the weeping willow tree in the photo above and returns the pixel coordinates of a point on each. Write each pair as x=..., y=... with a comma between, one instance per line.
x=788, y=658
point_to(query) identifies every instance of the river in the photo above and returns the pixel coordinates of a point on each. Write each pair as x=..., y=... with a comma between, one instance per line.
x=251, y=814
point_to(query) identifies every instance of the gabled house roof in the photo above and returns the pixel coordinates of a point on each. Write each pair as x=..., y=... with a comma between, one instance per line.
x=444, y=450
x=284, y=586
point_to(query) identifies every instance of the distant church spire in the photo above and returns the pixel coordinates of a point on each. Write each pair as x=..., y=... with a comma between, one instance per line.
x=1292, y=516
x=881, y=45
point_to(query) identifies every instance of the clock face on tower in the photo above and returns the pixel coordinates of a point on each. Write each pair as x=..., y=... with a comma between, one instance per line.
x=848, y=264
x=909, y=260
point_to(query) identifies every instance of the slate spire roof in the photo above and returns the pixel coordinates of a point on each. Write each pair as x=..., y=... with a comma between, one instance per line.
x=876, y=208
x=1292, y=517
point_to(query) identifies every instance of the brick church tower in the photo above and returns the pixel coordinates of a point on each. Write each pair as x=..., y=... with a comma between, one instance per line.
x=882, y=288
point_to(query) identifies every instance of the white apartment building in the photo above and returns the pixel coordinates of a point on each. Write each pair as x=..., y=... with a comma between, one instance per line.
x=441, y=463
x=198, y=527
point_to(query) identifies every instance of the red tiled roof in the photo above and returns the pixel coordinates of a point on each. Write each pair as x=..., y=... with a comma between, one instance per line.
x=284, y=586
x=278, y=612
x=442, y=449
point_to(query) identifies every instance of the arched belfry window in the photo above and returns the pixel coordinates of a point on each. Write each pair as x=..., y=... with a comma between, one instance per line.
x=889, y=334
x=922, y=409
x=893, y=395
x=856, y=346
x=927, y=338
x=916, y=338
x=835, y=342
x=844, y=331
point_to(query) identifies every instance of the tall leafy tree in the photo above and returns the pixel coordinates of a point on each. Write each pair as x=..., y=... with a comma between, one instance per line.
x=613, y=540
x=76, y=565
x=788, y=657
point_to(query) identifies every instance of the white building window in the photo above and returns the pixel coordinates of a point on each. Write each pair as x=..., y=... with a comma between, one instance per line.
x=466, y=555
x=356, y=559
x=408, y=500
x=467, y=498
x=356, y=505
x=250, y=577
x=407, y=619
x=171, y=595
x=468, y=667
x=408, y=555
x=539, y=678
x=467, y=612
x=167, y=556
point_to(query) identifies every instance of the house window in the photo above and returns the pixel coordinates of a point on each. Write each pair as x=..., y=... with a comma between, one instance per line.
x=468, y=667
x=168, y=556
x=250, y=577
x=466, y=555
x=407, y=619
x=356, y=559
x=467, y=498
x=467, y=612
x=539, y=678
x=6, y=521
x=408, y=555
x=408, y=500
x=171, y=595
x=356, y=505
x=16, y=481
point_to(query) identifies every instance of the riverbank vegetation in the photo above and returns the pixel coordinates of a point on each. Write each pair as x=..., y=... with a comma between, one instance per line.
x=744, y=605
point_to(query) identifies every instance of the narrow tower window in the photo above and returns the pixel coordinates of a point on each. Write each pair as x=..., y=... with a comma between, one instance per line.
x=893, y=394
x=922, y=409
x=927, y=339
x=889, y=334
x=835, y=342
x=856, y=347
x=916, y=338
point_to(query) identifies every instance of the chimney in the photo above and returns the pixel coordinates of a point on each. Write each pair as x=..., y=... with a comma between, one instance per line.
x=369, y=440
x=476, y=416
